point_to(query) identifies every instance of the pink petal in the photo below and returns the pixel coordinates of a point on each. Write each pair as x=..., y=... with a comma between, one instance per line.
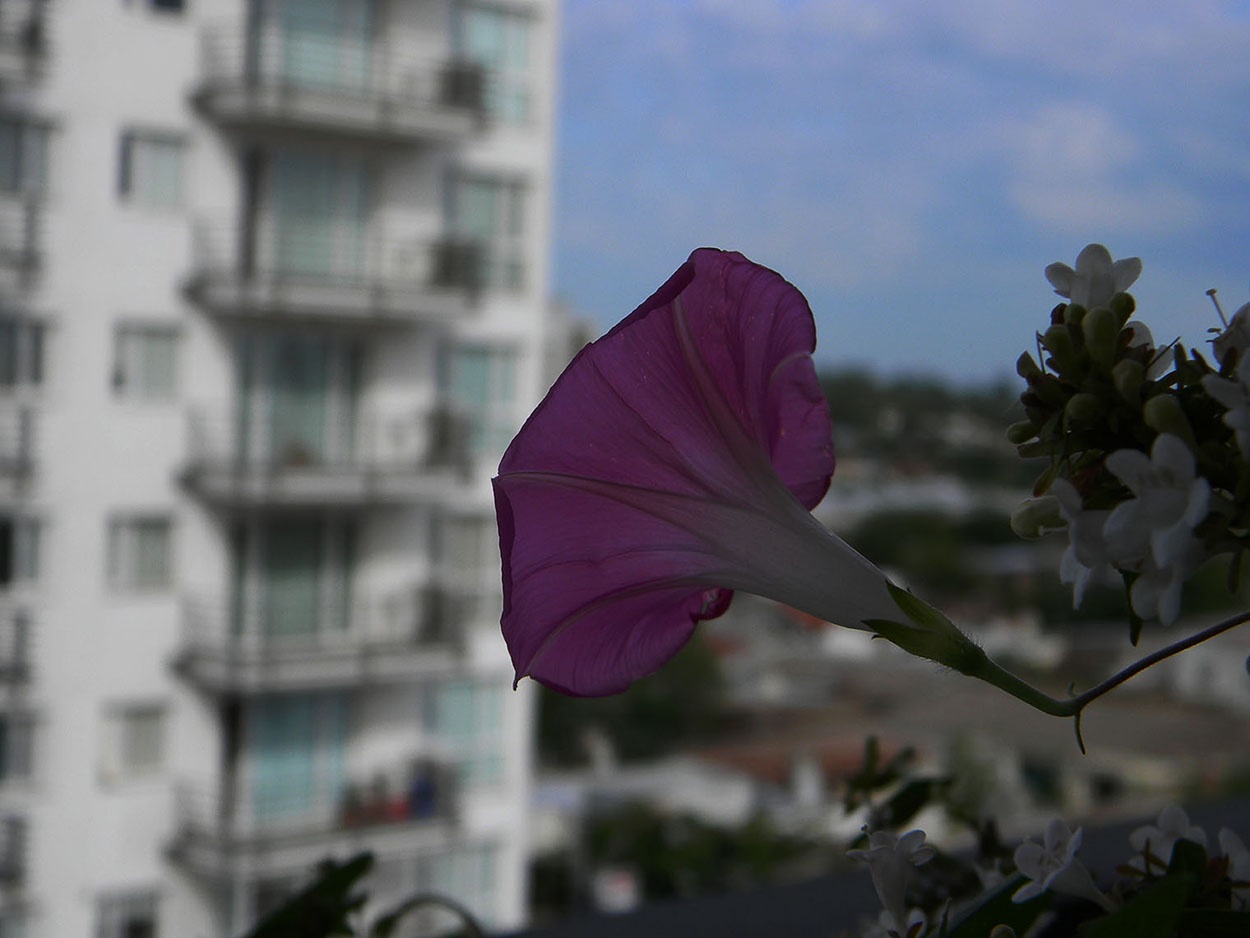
x=674, y=457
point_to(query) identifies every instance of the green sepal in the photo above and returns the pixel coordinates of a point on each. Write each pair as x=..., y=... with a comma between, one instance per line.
x=930, y=635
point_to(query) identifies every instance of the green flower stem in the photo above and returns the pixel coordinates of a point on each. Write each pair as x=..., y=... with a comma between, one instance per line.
x=986, y=669
x=982, y=667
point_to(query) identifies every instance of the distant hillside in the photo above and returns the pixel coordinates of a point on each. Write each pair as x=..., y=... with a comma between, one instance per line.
x=927, y=427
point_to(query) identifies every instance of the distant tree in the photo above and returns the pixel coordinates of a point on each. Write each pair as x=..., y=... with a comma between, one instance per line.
x=682, y=702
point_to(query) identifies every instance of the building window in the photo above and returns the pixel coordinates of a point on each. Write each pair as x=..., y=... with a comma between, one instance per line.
x=489, y=214
x=17, y=733
x=498, y=40
x=152, y=169
x=127, y=915
x=297, y=756
x=465, y=716
x=21, y=354
x=467, y=874
x=135, y=742
x=23, y=156
x=139, y=552
x=468, y=546
x=145, y=361
x=13, y=923
x=480, y=384
x=19, y=551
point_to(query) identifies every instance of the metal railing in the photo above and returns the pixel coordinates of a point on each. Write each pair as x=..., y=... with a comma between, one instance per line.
x=15, y=643
x=17, y=442
x=425, y=790
x=341, y=254
x=422, y=441
x=385, y=73
x=19, y=233
x=415, y=618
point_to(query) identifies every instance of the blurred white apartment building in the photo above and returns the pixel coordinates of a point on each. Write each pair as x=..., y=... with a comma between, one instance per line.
x=273, y=277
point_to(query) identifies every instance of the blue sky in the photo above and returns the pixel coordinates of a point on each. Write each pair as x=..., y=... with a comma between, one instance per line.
x=911, y=165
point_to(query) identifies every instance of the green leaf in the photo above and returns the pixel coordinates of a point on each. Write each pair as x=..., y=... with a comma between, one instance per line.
x=1215, y=923
x=321, y=909
x=1188, y=857
x=909, y=800
x=998, y=909
x=1152, y=914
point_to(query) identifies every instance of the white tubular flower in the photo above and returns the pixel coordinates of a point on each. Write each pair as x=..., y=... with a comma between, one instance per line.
x=1156, y=593
x=1087, y=548
x=1236, y=336
x=1143, y=338
x=892, y=861
x=1052, y=865
x=1096, y=278
x=1153, y=533
x=1238, y=866
x=1235, y=395
x=1155, y=841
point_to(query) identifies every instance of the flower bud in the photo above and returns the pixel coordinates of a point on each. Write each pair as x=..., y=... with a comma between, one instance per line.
x=1036, y=516
x=1128, y=376
x=1073, y=314
x=1123, y=305
x=1021, y=432
x=1058, y=341
x=1027, y=368
x=1102, y=332
x=1002, y=931
x=1163, y=413
x=1084, y=408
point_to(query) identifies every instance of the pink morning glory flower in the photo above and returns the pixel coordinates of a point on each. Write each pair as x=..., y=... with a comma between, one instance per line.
x=676, y=460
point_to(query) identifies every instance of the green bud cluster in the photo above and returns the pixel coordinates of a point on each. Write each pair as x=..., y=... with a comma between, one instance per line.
x=1092, y=393
x=1095, y=388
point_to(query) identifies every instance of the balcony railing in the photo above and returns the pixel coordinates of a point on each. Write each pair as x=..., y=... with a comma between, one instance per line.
x=291, y=459
x=17, y=443
x=19, y=235
x=23, y=40
x=271, y=645
x=279, y=76
x=285, y=821
x=16, y=635
x=333, y=270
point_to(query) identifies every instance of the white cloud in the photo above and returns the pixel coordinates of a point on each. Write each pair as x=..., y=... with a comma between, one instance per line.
x=1074, y=167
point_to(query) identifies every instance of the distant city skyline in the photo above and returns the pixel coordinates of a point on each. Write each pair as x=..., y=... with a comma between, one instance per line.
x=911, y=167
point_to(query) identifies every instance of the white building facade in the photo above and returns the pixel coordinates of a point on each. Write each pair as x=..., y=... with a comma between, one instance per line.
x=273, y=276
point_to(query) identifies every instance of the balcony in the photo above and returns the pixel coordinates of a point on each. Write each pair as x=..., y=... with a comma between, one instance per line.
x=23, y=41
x=19, y=239
x=401, y=636
x=17, y=445
x=325, y=462
x=15, y=643
x=293, y=825
x=274, y=77
x=334, y=272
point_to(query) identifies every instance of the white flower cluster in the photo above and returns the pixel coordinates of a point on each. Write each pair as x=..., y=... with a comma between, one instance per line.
x=892, y=861
x=1049, y=867
x=1150, y=534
